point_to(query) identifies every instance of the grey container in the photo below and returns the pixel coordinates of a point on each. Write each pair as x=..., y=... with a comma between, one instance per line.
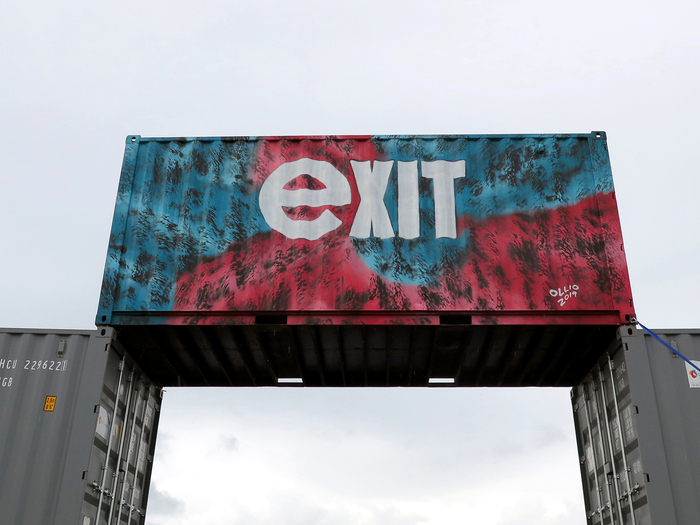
x=638, y=431
x=58, y=392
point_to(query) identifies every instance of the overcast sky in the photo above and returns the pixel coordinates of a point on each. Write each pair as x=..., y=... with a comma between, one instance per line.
x=77, y=77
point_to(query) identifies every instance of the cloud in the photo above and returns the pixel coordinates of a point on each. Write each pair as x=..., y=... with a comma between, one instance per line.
x=528, y=440
x=290, y=509
x=365, y=443
x=229, y=442
x=393, y=516
x=163, y=504
x=164, y=444
x=535, y=512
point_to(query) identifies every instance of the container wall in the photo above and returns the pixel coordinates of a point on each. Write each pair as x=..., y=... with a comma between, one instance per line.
x=40, y=377
x=117, y=482
x=637, y=432
x=58, y=419
x=510, y=229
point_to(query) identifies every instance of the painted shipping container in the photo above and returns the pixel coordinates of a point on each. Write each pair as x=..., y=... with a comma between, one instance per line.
x=637, y=429
x=508, y=230
x=78, y=423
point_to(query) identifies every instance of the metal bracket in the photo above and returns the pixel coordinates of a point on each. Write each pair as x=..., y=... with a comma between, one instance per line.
x=101, y=490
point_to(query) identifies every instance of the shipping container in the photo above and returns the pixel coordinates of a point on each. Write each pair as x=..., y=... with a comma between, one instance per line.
x=250, y=260
x=637, y=431
x=67, y=399
x=512, y=229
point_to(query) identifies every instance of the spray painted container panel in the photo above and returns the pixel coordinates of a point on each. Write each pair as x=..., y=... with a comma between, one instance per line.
x=519, y=229
x=637, y=431
x=57, y=422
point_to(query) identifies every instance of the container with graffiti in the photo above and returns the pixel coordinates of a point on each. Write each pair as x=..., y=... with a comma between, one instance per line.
x=507, y=229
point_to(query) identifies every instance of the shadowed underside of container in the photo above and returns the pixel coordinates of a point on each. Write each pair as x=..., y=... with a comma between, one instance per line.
x=367, y=355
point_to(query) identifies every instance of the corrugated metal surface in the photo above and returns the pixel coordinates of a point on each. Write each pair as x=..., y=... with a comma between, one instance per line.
x=510, y=229
x=637, y=432
x=34, y=443
x=57, y=421
x=129, y=433
x=367, y=355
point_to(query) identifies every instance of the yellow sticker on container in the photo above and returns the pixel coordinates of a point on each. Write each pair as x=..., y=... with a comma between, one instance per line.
x=50, y=403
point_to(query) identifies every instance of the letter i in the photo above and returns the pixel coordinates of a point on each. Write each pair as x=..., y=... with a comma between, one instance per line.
x=409, y=211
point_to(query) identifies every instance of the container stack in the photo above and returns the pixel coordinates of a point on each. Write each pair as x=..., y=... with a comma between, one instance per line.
x=455, y=260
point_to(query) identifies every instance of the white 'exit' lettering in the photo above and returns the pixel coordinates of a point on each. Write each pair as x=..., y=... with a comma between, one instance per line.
x=372, y=216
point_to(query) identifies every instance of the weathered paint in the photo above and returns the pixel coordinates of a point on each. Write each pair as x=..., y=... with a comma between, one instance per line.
x=508, y=229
